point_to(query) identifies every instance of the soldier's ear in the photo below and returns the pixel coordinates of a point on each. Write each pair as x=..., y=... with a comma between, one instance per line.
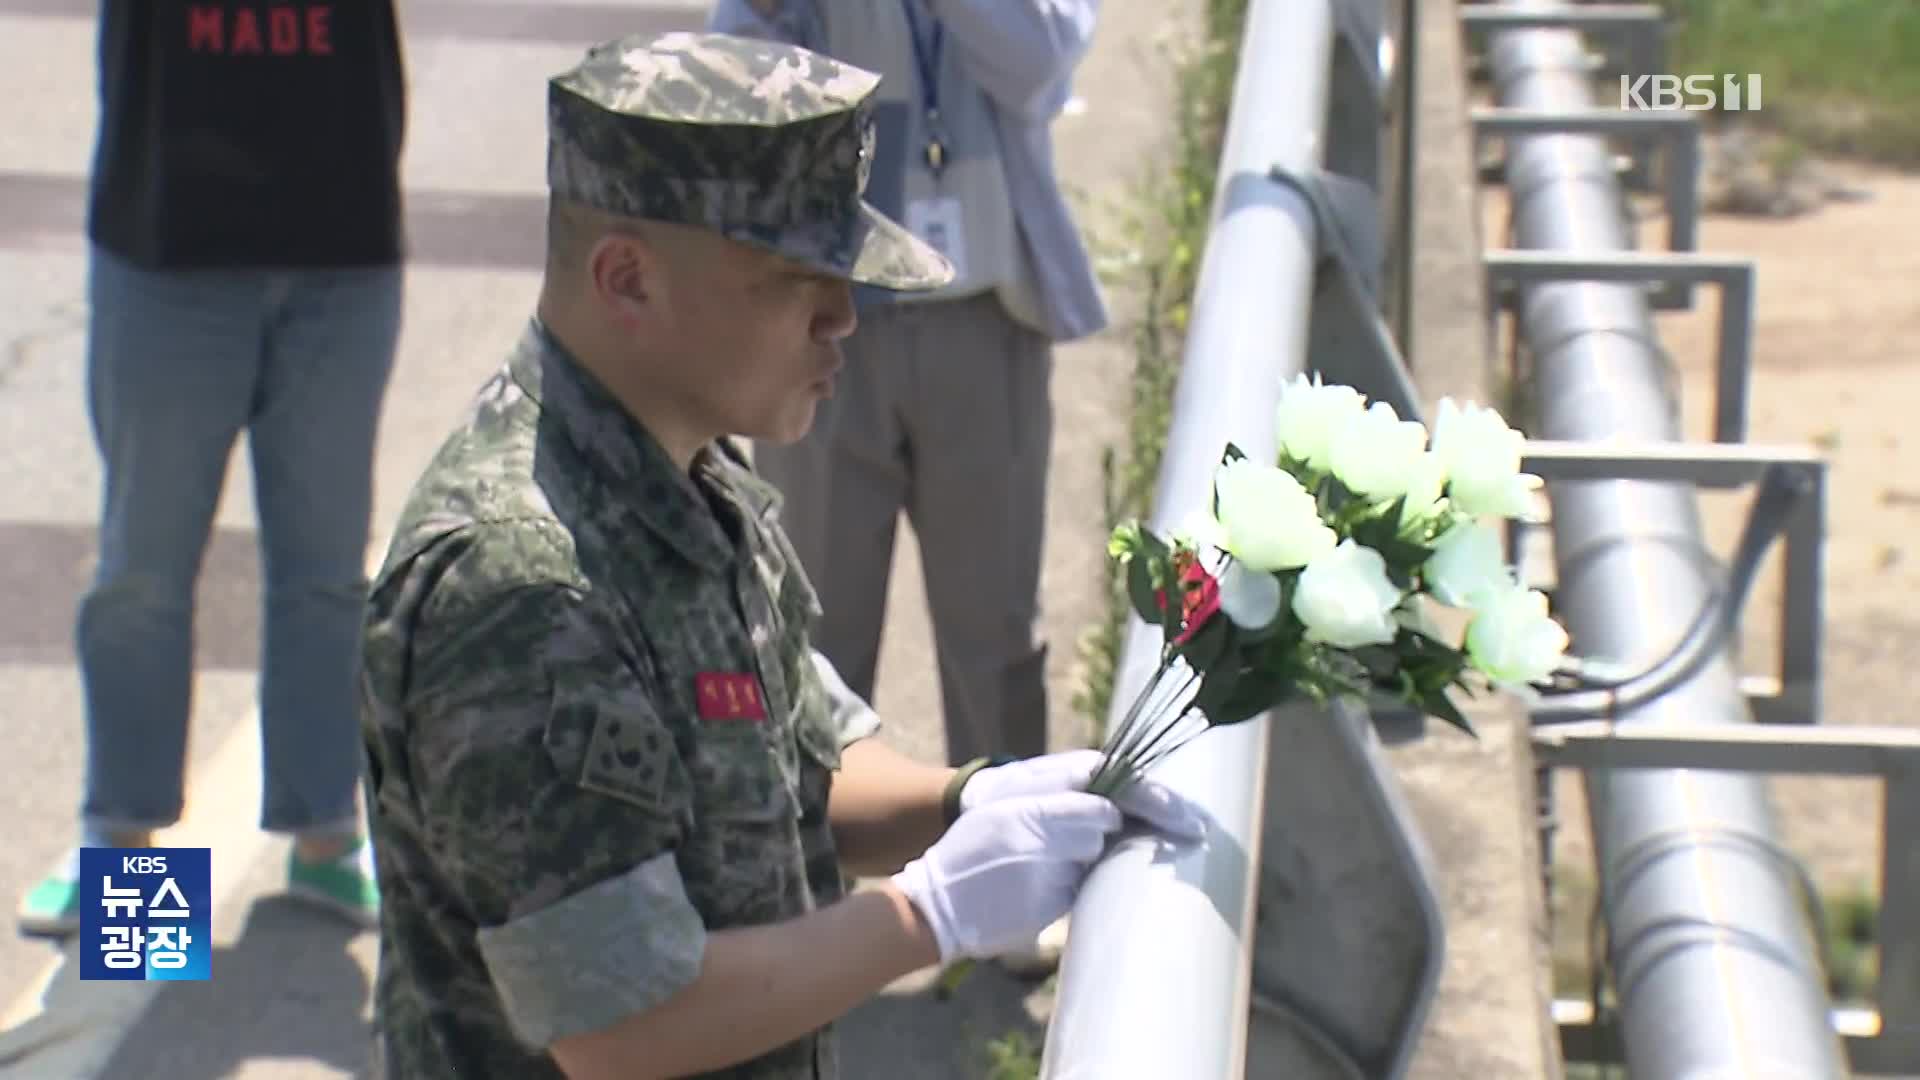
x=626, y=276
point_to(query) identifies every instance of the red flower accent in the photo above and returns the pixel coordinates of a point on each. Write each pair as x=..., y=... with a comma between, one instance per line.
x=1200, y=596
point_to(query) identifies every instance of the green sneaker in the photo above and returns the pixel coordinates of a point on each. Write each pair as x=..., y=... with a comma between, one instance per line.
x=52, y=908
x=343, y=885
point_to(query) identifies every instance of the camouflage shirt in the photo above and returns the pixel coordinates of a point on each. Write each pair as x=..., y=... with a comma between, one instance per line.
x=594, y=730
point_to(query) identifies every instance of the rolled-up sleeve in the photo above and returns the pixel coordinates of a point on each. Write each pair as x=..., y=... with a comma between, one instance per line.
x=608, y=951
x=554, y=800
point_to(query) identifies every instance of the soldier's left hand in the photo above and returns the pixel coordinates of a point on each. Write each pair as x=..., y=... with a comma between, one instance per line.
x=1071, y=770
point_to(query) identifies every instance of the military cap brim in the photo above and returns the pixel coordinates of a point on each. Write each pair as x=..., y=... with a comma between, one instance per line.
x=765, y=143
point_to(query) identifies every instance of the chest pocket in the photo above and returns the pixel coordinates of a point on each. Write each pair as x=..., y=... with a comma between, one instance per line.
x=745, y=860
x=738, y=776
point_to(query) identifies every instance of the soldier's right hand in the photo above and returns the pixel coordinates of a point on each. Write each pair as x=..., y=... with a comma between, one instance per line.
x=1007, y=870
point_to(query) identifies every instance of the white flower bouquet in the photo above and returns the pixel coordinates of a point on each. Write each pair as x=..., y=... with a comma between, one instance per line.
x=1312, y=577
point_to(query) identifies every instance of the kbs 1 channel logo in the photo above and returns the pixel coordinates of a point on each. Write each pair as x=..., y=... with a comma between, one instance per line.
x=144, y=914
x=1691, y=93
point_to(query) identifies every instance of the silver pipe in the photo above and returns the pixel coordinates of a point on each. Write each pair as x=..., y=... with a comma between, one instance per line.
x=1156, y=981
x=1710, y=947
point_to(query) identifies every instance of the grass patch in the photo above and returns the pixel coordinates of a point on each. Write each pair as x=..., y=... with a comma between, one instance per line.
x=1161, y=243
x=1851, y=938
x=1012, y=1056
x=1841, y=76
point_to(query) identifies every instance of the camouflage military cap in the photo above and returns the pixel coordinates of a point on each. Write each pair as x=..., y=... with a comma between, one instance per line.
x=765, y=143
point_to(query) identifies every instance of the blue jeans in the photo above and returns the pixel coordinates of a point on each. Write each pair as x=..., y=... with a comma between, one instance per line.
x=178, y=364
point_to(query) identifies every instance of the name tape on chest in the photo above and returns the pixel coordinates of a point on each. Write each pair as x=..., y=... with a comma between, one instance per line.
x=729, y=695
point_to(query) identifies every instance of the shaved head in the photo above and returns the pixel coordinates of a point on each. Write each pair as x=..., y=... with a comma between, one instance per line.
x=573, y=228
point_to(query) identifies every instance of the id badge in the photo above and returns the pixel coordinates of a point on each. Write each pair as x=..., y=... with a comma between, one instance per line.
x=937, y=221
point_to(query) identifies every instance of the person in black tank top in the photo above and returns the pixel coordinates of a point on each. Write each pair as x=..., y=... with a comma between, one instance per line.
x=244, y=275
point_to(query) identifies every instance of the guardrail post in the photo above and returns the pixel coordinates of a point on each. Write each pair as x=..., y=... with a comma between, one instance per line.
x=1899, y=929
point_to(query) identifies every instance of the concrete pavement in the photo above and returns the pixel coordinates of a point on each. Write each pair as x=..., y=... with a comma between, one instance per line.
x=290, y=993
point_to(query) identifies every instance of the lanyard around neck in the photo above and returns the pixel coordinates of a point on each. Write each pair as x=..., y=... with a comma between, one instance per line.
x=927, y=47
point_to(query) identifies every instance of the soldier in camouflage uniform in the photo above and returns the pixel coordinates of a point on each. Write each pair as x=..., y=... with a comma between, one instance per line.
x=614, y=792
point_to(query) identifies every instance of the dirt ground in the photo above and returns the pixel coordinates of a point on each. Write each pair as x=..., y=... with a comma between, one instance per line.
x=1836, y=366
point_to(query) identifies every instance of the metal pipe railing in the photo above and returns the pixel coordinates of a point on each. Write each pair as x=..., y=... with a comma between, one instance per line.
x=1156, y=981
x=1710, y=948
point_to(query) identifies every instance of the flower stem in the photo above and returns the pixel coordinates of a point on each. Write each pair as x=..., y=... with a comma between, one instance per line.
x=1119, y=768
x=1141, y=755
x=1152, y=702
x=1193, y=732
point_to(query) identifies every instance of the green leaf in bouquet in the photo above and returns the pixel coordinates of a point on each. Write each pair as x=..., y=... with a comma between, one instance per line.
x=1144, y=590
x=1380, y=661
x=1380, y=530
x=1390, y=516
x=1440, y=705
x=1124, y=542
x=1216, y=685
x=1282, y=646
x=1428, y=530
x=1409, y=553
x=1469, y=681
x=1253, y=693
x=1403, y=557
x=1205, y=648
x=1433, y=664
x=1154, y=547
x=1415, y=643
x=1404, y=686
x=1334, y=499
x=1336, y=672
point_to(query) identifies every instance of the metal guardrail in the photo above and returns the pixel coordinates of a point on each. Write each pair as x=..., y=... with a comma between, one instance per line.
x=1163, y=975
x=1147, y=922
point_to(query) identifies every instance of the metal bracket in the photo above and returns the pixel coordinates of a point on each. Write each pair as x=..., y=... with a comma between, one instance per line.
x=1887, y=1043
x=1793, y=697
x=1348, y=337
x=1356, y=92
x=1510, y=271
x=1346, y=885
x=1679, y=131
x=1638, y=28
x=1357, y=26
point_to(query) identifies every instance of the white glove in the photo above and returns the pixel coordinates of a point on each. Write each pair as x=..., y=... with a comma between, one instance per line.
x=1006, y=871
x=1071, y=770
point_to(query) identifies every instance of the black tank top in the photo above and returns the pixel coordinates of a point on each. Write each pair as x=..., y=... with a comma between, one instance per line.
x=249, y=133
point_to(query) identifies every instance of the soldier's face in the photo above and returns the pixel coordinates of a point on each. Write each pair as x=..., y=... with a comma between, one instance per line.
x=764, y=336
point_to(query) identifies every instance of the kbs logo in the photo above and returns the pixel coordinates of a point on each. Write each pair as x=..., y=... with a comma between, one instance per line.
x=1694, y=93
x=145, y=914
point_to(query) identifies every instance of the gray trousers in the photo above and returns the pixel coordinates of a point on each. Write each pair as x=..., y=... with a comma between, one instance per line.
x=941, y=412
